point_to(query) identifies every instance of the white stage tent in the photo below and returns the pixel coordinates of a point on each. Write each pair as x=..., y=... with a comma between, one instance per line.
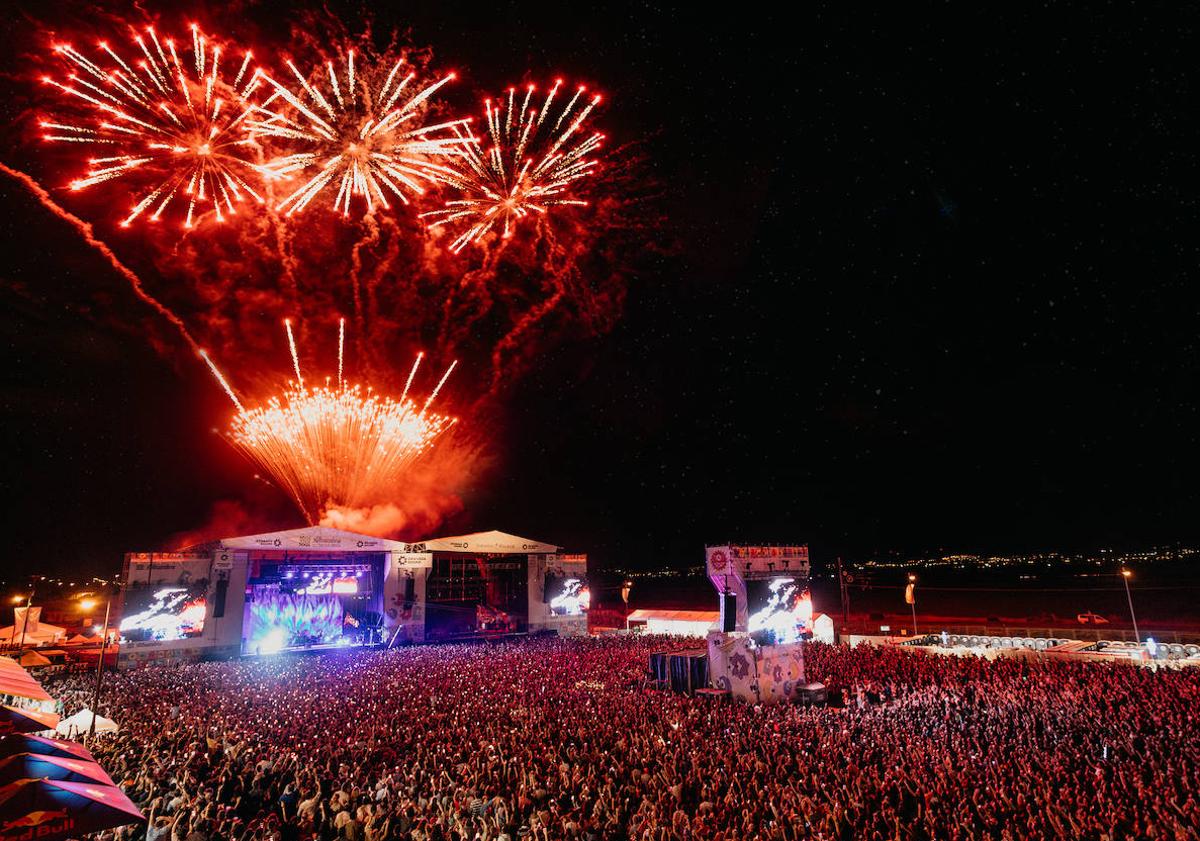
x=687, y=623
x=486, y=542
x=81, y=722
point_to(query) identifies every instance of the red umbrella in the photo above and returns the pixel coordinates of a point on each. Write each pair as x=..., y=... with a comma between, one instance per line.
x=36, y=766
x=16, y=720
x=28, y=743
x=48, y=810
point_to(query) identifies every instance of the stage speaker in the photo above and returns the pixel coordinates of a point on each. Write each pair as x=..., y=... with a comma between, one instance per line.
x=222, y=590
x=728, y=612
x=410, y=591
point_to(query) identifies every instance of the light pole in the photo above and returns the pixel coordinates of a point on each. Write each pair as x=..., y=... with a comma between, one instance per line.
x=912, y=599
x=1125, y=576
x=625, y=588
x=100, y=670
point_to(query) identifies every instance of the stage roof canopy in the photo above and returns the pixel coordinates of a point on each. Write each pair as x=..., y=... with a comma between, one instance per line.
x=325, y=539
x=314, y=539
x=491, y=542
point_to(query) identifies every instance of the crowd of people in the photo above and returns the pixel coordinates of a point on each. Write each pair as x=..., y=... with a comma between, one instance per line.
x=553, y=739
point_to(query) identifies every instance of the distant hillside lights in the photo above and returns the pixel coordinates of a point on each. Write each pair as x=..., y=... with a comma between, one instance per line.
x=1105, y=558
x=666, y=572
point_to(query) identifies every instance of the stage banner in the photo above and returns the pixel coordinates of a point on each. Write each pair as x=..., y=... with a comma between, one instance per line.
x=731, y=665
x=312, y=539
x=412, y=560
x=780, y=671
x=768, y=561
x=566, y=565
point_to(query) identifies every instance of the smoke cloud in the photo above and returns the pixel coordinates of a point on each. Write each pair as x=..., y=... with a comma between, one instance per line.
x=227, y=518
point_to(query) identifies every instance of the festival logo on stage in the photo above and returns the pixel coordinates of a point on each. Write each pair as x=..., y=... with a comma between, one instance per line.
x=718, y=561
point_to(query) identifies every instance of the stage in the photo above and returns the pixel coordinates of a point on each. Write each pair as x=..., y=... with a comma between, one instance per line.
x=319, y=589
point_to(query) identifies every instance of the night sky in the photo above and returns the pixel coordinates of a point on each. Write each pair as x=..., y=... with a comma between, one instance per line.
x=928, y=281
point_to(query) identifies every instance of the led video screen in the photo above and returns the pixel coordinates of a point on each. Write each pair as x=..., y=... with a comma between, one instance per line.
x=164, y=612
x=567, y=596
x=276, y=620
x=780, y=609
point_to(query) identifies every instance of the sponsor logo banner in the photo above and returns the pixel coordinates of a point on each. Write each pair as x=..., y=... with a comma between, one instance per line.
x=413, y=560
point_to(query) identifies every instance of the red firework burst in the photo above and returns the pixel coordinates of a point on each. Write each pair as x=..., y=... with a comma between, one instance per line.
x=534, y=160
x=363, y=136
x=337, y=446
x=171, y=126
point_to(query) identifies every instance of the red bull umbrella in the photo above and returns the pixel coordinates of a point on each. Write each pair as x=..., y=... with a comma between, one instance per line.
x=15, y=743
x=36, y=766
x=49, y=810
x=16, y=720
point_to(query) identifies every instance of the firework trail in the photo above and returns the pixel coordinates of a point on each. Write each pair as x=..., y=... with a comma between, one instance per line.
x=364, y=132
x=504, y=184
x=384, y=263
x=174, y=123
x=342, y=446
x=85, y=230
x=369, y=241
x=523, y=326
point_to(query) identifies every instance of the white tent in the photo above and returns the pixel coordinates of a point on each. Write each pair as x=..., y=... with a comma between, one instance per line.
x=822, y=628
x=687, y=623
x=81, y=722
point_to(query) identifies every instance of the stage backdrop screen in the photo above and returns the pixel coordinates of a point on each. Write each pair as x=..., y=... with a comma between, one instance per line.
x=780, y=609
x=567, y=595
x=278, y=620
